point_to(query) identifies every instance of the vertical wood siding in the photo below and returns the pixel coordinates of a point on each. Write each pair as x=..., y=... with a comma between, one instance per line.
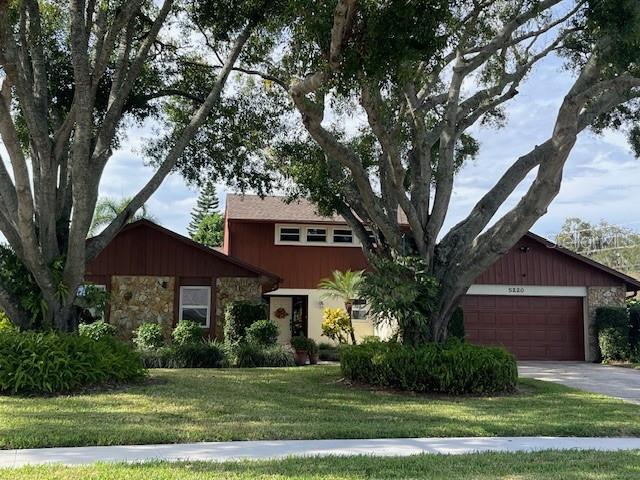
x=299, y=266
x=541, y=265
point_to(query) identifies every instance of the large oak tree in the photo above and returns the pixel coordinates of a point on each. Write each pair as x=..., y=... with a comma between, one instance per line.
x=422, y=74
x=75, y=75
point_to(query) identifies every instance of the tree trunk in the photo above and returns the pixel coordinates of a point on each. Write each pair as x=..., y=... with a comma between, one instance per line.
x=348, y=306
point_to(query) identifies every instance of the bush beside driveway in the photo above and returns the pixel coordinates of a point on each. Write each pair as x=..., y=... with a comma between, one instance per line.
x=298, y=403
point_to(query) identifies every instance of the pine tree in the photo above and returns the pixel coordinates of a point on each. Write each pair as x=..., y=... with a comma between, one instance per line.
x=206, y=205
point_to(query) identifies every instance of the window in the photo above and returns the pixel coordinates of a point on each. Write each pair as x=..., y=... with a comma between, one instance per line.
x=342, y=235
x=316, y=235
x=195, y=304
x=289, y=234
x=359, y=309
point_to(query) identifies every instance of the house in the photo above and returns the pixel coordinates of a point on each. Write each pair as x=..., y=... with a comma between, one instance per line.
x=538, y=300
x=156, y=275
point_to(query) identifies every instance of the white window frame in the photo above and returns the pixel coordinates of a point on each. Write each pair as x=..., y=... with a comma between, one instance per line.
x=327, y=232
x=208, y=306
x=304, y=228
x=291, y=227
x=333, y=235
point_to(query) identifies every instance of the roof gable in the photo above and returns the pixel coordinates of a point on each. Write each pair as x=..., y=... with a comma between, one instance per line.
x=144, y=223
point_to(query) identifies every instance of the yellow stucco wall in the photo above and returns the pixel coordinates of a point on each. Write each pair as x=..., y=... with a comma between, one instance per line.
x=316, y=305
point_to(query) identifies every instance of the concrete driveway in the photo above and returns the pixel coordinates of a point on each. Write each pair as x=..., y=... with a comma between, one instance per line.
x=623, y=383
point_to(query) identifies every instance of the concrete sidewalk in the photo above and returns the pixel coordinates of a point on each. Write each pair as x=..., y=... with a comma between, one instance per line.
x=272, y=449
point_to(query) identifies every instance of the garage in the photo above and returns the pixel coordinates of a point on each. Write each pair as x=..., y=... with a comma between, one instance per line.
x=539, y=301
x=532, y=328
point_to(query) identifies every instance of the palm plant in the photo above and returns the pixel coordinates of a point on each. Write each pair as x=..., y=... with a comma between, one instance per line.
x=107, y=209
x=346, y=287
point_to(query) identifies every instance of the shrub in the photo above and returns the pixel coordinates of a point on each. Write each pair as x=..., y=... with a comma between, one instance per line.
x=187, y=332
x=189, y=355
x=97, y=330
x=634, y=321
x=148, y=336
x=250, y=355
x=5, y=323
x=614, y=345
x=453, y=368
x=612, y=329
x=456, y=324
x=238, y=316
x=611, y=317
x=328, y=352
x=37, y=362
x=262, y=332
x=299, y=343
x=336, y=324
x=201, y=355
x=311, y=346
x=401, y=289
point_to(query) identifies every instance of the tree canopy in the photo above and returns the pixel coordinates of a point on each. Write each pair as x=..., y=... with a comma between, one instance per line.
x=75, y=76
x=383, y=97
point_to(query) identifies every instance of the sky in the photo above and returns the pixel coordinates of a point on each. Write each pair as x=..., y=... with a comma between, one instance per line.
x=601, y=180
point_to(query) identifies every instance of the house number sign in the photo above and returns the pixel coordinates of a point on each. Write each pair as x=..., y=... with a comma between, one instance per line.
x=515, y=289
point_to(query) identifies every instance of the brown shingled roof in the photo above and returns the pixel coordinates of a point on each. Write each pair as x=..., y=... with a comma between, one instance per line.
x=253, y=207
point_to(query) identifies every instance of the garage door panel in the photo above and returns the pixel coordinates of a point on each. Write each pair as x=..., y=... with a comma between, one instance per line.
x=533, y=328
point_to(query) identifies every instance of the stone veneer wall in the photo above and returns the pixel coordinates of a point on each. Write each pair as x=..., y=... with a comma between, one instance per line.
x=600, y=297
x=229, y=289
x=139, y=299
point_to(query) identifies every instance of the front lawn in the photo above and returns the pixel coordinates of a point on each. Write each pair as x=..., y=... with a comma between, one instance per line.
x=571, y=465
x=297, y=403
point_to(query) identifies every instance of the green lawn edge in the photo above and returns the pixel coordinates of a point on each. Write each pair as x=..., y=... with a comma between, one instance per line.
x=180, y=406
x=546, y=465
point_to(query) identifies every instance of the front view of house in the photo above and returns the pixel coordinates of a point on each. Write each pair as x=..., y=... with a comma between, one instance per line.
x=538, y=300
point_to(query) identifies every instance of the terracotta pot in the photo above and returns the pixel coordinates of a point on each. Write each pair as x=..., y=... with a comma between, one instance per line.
x=300, y=357
x=313, y=358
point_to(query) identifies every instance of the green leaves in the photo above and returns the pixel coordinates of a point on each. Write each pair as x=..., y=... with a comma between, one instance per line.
x=401, y=289
x=39, y=363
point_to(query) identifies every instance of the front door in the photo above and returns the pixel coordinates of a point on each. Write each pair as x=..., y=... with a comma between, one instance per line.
x=299, y=317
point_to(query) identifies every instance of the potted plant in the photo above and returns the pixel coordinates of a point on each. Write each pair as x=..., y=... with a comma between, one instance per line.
x=312, y=351
x=299, y=345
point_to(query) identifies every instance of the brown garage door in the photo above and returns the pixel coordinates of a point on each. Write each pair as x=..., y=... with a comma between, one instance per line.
x=533, y=328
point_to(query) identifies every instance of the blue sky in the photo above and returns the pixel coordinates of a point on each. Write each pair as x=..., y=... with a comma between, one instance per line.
x=601, y=178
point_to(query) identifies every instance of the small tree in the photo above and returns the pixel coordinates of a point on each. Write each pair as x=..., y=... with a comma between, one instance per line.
x=206, y=206
x=344, y=286
x=210, y=230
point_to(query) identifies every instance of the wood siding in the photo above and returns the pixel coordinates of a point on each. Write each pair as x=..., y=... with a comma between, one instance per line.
x=148, y=251
x=299, y=266
x=540, y=265
x=304, y=266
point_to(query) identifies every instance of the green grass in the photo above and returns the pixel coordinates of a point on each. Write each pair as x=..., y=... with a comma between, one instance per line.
x=570, y=465
x=297, y=403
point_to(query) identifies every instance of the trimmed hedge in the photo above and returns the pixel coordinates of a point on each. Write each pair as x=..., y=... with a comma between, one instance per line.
x=250, y=355
x=613, y=344
x=189, y=355
x=36, y=363
x=148, y=336
x=612, y=327
x=97, y=330
x=187, y=332
x=454, y=368
x=634, y=321
x=238, y=316
x=262, y=332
